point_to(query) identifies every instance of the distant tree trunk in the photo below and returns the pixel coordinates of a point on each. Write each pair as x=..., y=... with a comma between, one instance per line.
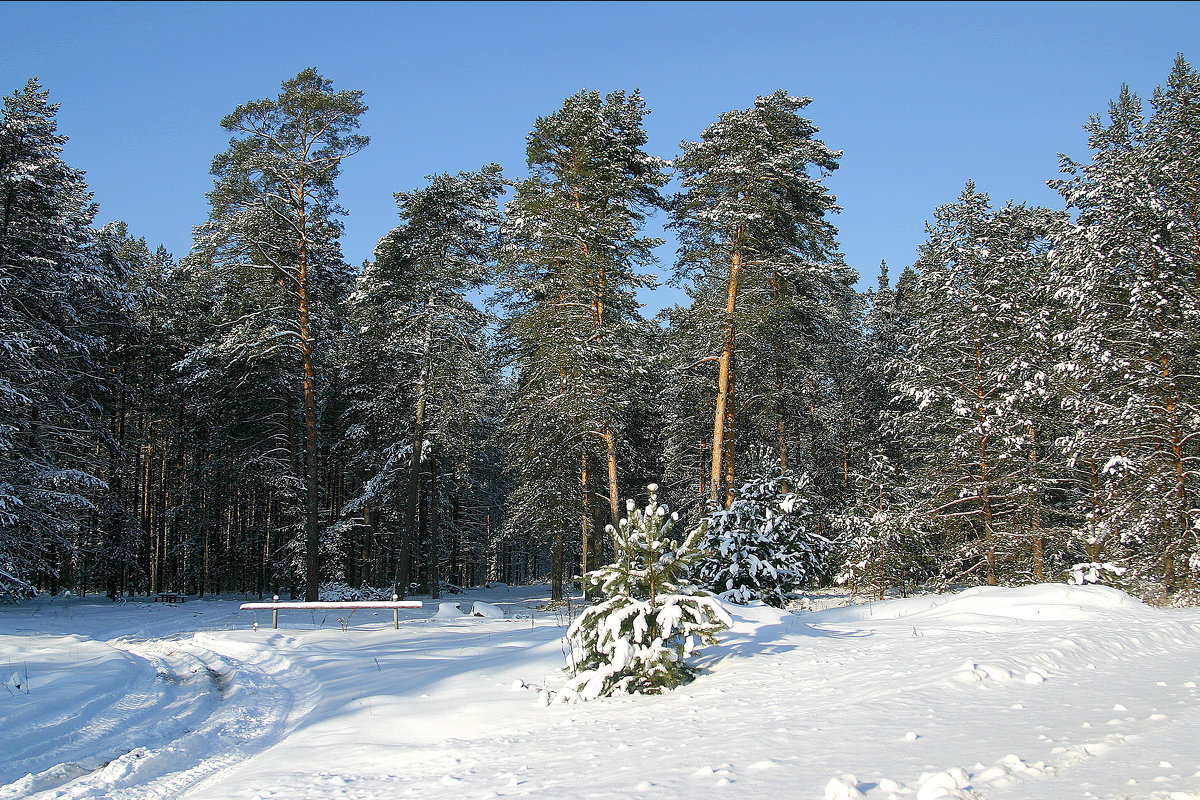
x=781, y=410
x=434, y=569
x=614, y=499
x=414, y=472
x=1039, y=541
x=585, y=522
x=557, y=568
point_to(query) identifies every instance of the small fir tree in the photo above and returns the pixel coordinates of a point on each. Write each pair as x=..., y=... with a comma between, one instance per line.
x=638, y=639
x=766, y=544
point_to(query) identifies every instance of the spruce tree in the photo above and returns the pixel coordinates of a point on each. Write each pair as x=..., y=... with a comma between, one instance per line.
x=767, y=543
x=55, y=293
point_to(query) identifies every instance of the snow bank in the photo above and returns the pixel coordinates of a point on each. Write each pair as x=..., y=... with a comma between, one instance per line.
x=984, y=605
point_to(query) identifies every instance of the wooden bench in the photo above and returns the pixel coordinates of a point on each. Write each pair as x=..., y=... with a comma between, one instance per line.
x=394, y=604
x=169, y=597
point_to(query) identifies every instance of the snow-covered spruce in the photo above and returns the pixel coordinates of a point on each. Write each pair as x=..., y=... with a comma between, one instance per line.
x=766, y=543
x=637, y=641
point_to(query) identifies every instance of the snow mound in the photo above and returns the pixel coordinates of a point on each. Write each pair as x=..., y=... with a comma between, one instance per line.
x=449, y=611
x=981, y=605
x=482, y=609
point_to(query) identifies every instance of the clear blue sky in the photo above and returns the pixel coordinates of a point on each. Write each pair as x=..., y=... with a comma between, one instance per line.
x=920, y=96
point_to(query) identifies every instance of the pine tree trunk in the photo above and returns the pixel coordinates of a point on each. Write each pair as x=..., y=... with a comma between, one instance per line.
x=722, y=419
x=557, y=568
x=434, y=569
x=1039, y=542
x=312, y=541
x=730, y=457
x=614, y=499
x=781, y=410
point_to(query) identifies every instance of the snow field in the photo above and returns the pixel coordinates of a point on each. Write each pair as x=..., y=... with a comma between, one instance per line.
x=920, y=699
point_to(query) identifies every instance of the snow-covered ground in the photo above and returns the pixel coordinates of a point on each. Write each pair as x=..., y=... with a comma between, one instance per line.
x=1050, y=692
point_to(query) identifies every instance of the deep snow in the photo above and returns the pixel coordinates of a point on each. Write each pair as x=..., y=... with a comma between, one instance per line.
x=1047, y=692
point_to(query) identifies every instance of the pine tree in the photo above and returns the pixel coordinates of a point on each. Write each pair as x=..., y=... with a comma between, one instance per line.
x=755, y=242
x=638, y=639
x=572, y=259
x=973, y=369
x=1131, y=274
x=273, y=215
x=882, y=540
x=429, y=361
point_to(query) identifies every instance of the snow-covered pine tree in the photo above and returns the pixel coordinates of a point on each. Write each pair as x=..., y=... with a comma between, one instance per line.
x=973, y=368
x=637, y=640
x=880, y=542
x=758, y=249
x=768, y=542
x=422, y=364
x=1131, y=273
x=573, y=256
x=273, y=228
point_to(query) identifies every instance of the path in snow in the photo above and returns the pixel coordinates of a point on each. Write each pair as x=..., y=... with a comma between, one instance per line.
x=176, y=712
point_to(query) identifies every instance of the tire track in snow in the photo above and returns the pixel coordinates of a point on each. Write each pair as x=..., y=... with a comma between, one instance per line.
x=210, y=705
x=166, y=691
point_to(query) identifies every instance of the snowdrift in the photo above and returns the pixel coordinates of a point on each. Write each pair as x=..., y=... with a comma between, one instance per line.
x=985, y=605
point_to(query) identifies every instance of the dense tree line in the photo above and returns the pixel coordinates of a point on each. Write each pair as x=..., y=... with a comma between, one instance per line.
x=1021, y=404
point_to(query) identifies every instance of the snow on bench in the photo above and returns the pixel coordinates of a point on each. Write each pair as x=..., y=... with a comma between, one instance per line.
x=395, y=604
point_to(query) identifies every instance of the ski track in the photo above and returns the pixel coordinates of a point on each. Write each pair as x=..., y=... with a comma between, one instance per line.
x=211, y=709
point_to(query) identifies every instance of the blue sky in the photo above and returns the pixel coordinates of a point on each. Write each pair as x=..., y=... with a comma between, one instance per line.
x=920, y=96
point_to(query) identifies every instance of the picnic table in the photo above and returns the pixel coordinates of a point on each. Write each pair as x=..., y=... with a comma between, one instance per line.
x=169, y=597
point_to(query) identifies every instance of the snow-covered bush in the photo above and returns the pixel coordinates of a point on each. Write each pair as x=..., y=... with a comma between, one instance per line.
x=1093, y=572
x=767, y=543
x=339, y=592
x=637, y=640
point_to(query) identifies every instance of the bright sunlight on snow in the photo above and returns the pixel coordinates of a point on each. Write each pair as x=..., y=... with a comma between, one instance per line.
x=1040, y=692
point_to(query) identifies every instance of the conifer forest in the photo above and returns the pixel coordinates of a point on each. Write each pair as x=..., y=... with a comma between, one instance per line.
x=481, y=399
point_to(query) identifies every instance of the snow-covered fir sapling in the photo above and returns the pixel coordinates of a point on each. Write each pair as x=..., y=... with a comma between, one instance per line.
x=638, y=639
x=767, y=543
